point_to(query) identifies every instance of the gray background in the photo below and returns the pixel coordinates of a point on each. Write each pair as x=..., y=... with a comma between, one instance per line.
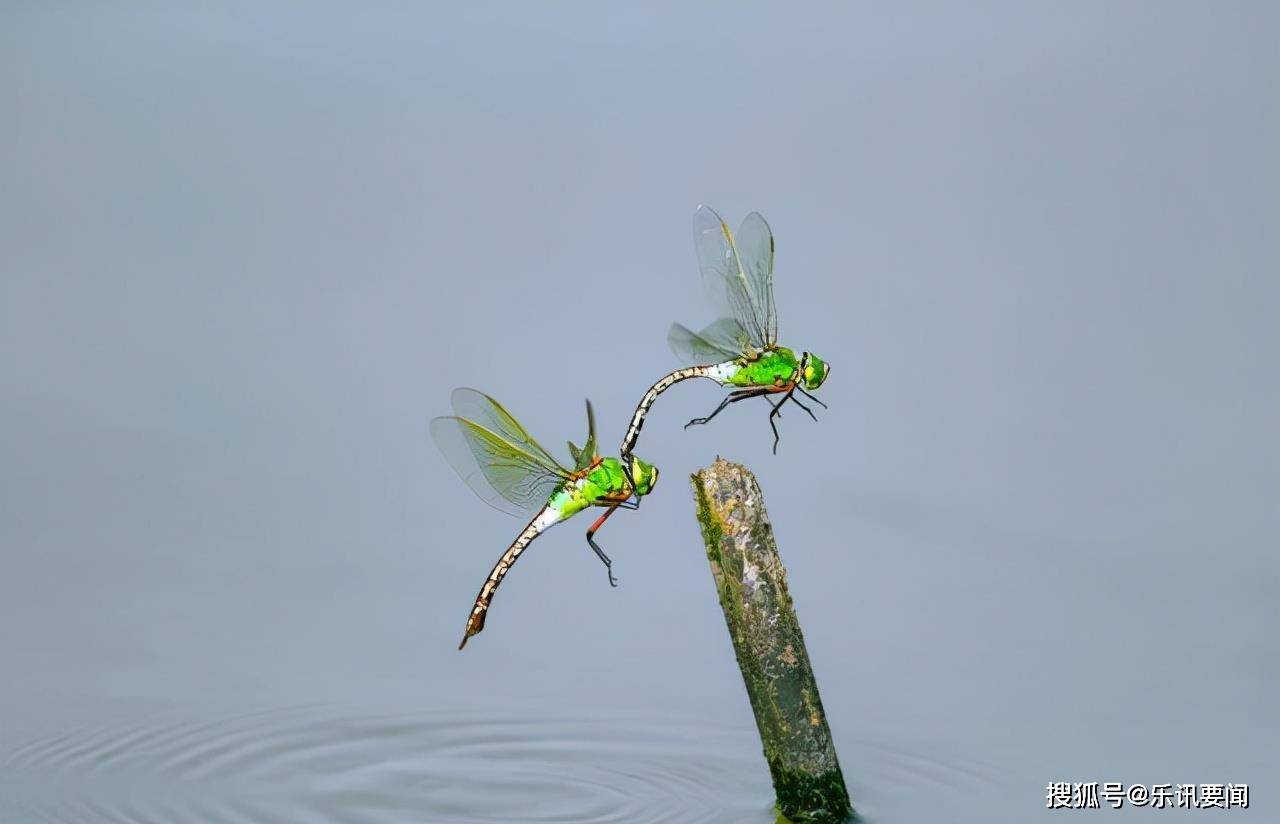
x=246, y=254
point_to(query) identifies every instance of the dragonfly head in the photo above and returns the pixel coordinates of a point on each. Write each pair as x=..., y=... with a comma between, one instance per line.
x=813, y=370
x=645, y=475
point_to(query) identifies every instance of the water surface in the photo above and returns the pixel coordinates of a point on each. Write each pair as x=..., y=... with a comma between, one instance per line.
x=316, y=763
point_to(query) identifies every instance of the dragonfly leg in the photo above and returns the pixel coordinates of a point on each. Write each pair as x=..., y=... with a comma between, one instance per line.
x=728, y=400
x=608, y=565
x=811, y=397
x=626, y=470
x=777, y=412
x=732, y=397
x=802, y=406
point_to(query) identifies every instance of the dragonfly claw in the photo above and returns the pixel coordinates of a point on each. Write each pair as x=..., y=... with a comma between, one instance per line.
x=608, y=564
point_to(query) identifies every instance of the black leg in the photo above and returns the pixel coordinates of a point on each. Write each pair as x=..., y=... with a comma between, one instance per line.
x=608, y=565
x=811, y=397
x=626, y=470
x=733, y=397
x=802, y=406
x=728, y=400
x=775, y=413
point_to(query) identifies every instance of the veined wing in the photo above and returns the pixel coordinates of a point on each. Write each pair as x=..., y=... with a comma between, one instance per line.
x=755, y=246
x=589, y=452
x=745, y=297
x=502, y=474
x=721, y=341
x=583, y=458
x=516, y=478
x=478, y=407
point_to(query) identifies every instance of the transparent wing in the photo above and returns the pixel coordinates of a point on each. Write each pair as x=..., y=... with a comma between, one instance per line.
x=504, y=475
x=589, y=453
x=755, y=246
x=583, y=458
x=721, y=341
x=723, y=276
x=478, y=407
x=590, y=448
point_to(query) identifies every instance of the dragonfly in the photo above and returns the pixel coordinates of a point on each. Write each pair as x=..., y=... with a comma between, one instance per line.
x=509, y=470
x=740, y=350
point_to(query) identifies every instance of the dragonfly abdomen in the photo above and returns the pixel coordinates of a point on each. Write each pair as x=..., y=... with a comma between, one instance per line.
x=549, y=516
x=719, y=372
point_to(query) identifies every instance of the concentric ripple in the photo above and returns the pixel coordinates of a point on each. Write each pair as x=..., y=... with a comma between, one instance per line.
x=319, y=764
x=315, y=765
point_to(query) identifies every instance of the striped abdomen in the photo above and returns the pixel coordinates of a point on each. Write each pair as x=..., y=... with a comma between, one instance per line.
x=718, y=372
x=475, y=622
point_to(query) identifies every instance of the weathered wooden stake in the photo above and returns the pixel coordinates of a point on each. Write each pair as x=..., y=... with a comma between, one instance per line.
x=752, y=585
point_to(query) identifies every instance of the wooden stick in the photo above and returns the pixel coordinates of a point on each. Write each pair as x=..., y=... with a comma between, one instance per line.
x=752, y=585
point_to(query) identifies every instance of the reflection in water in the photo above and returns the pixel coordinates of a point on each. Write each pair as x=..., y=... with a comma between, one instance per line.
x=321, y=765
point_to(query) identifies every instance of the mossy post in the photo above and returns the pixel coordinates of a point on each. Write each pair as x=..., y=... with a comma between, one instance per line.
x=752, y=585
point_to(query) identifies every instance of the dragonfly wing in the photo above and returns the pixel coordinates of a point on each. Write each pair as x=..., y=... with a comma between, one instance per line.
x=755, y=246
x=721, y=341
x=728, y=334
x=724, y=277
x=589, y=453
x=504, y=475
x=481, y=408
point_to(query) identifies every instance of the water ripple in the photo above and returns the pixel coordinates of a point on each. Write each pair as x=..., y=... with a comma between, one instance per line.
x=321, y=764
x=312, y=764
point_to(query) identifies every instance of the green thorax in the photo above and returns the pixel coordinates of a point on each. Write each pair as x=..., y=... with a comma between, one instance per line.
x=605, y=480
x=774, y=367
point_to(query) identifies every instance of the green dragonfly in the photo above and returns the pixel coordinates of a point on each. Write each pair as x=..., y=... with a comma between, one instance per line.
x=743, y=345
x=512, y=472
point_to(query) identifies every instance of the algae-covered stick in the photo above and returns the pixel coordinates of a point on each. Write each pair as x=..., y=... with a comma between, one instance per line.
x=752, y=585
